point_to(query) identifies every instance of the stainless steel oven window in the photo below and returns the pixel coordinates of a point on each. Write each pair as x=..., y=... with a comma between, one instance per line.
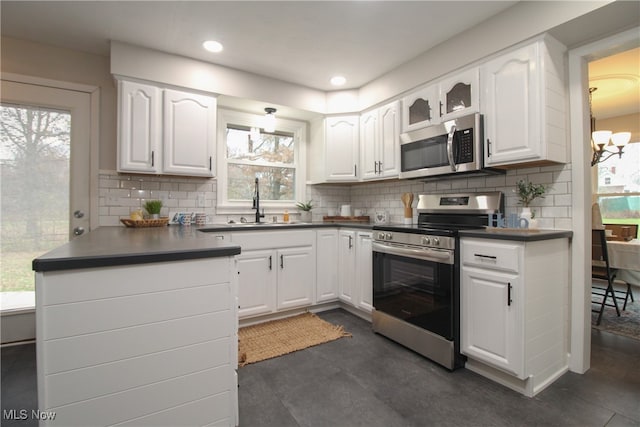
x=417, y=291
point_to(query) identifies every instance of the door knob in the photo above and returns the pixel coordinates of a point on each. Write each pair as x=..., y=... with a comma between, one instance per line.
x=78, y=214
x=78, y=231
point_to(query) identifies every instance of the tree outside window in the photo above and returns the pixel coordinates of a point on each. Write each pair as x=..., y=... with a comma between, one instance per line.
x=34, y=173
x=270, y=157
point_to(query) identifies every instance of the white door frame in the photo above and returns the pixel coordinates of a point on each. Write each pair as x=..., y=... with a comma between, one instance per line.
x=19, y=324
x=580, y=297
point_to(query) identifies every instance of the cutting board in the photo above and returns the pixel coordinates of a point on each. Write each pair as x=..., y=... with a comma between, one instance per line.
x=345, y=219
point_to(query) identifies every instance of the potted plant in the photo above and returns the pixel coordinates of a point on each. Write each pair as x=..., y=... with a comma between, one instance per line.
x=305, y=210
x=153, y=208
x=527, y=193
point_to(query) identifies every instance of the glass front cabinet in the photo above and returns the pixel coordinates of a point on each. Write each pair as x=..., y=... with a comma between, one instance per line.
x=452, y=97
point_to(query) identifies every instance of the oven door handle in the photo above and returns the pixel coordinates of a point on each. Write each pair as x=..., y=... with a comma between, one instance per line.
x=427, y=254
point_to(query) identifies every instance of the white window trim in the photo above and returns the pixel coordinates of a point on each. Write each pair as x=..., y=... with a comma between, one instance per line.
x=299, y=131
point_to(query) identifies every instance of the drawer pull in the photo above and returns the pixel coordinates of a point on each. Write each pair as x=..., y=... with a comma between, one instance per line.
x=486, y=256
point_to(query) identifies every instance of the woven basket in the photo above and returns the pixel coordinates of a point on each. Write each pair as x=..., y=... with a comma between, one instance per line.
x=140, y=223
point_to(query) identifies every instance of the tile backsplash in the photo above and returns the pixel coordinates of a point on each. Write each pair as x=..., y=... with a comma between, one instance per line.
x=119, y=194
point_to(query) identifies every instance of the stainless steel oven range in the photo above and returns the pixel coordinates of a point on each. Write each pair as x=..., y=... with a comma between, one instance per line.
x=416, y=274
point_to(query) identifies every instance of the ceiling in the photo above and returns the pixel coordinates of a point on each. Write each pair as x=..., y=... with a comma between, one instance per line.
x=617, y=79
x=302, y=42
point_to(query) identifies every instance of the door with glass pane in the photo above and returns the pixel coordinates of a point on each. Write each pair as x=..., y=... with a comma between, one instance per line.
x=45, y=181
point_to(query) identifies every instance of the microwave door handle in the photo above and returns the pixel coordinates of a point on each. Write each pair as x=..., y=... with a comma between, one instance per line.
x=452, y=162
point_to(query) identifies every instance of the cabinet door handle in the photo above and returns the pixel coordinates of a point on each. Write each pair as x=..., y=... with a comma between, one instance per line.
x=270, y=262
x=210, y=162
x=355, y=170
x=380, y=167
x=440, y=102
x=152, y=158
x=350, y=242
x=488, y=147
x=485, y=256
x=509, y=301
x=375, y=167
x=281, y=261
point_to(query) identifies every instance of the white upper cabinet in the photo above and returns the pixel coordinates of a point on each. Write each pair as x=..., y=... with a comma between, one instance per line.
x=189, y=133
x=420, y=109
x=454, y=96
x=523, y=103
x=380, y=142
x=369, y=142
x=164, y=131
x=139, y=127
x=459, y=94
x=335, y=149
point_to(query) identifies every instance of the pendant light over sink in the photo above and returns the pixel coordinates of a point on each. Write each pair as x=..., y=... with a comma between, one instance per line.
x=269, y=122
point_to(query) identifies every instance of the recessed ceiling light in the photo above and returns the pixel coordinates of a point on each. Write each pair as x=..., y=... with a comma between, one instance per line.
x=338, y=80
x=212, y=46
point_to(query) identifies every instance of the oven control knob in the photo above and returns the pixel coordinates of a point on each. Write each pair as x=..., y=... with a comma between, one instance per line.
x=426, y=240
x=381, y=236
x=436, y=241
x=389, y=236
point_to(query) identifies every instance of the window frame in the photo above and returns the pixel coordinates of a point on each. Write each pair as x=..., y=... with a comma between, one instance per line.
x=596, y=196
x=239, y=118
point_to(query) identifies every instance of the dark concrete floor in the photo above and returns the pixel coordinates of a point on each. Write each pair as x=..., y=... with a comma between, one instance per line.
x=368, y=380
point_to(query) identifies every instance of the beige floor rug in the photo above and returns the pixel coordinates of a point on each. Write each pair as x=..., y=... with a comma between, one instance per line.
x=277, y=337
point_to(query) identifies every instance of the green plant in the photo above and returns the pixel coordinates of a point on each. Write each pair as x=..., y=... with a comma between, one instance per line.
x=305, y=206
x=153, y=206
x=527, y=192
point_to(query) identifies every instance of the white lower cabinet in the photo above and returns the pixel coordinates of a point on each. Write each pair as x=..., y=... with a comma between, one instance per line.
x=283, y=270
x=364, y=270
x=327, y=263
x=346, y=265
x=355, y=268
x=514, y=310
x=257, y=282
x=296, y=277
x=277, y=271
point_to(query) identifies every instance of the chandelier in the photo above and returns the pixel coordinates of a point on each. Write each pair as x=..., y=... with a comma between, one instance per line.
x=601, y=140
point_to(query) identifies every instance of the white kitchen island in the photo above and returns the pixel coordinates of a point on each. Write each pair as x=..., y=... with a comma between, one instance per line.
x=137, y=327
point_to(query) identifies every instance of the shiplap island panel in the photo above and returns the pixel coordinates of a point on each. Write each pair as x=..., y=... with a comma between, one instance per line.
x=138, y=343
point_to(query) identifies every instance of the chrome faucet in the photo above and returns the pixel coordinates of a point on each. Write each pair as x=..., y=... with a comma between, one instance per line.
x=256, y=202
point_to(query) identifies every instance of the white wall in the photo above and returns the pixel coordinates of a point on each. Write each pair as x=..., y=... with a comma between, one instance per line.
x=49, y=62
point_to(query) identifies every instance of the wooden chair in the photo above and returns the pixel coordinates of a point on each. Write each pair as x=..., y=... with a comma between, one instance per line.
x=600, y=270
x=618, y=232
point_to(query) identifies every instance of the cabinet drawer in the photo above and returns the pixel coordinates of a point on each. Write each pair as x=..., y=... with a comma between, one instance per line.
x=491, y=254
x=273, y=239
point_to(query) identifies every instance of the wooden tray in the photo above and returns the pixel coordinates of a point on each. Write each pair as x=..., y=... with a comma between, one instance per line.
x=345, y=218
x=160, y=222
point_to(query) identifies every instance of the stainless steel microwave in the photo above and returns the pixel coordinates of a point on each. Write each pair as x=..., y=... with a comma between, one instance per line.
x=449, y=148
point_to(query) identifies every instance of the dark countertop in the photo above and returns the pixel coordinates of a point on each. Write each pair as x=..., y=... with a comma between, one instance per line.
x=213, y=228
x=525, y=235
x=113, y=246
